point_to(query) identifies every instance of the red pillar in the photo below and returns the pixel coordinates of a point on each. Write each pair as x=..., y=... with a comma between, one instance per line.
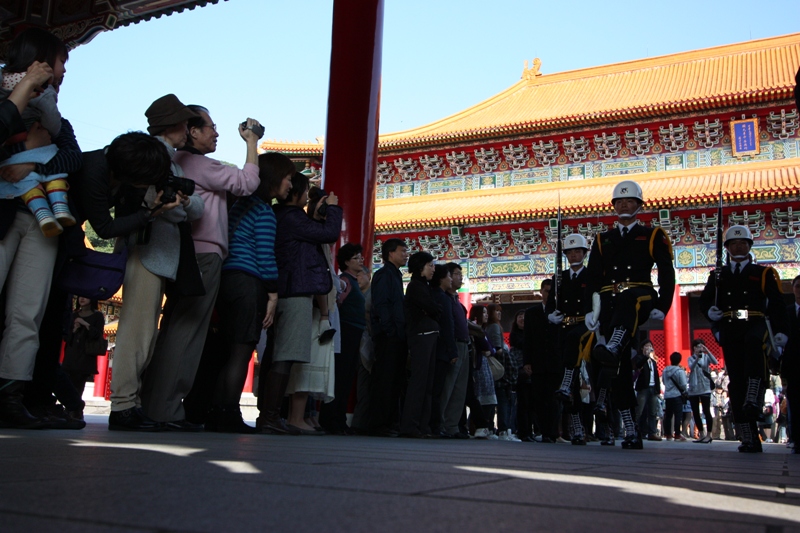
x=351, y=137
x=101, y=378
x=676, y=326
x=248, y=382
x=466, y=300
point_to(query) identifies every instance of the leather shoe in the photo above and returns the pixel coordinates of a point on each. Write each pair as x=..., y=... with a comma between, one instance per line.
x=564, y=395
x=183, y=425
x=653, y=436
x=608, y=441
x=301, y=431
x=578, y=441
x=56, y=417
x=131, y=420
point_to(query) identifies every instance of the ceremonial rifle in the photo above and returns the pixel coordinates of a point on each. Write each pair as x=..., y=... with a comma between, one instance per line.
x=719, y=264
x=559, y=253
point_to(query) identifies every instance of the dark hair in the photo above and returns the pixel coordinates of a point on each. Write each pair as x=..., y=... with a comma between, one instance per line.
x=417, y=262
x=451, y=267
x=514, y=326
x=315, y=194
x=93, y=304
x=299, y=186
x=493, y=308
x=195, y=122
x=34, y=44
x=645, y=343
x=546, y=283
x=272, y=168
x=136, y=158
x=390, y=246
x=675, y=358
x=698, y=342
x=346, y=253
x=476, y=314
x=439, y=273
x=795, y=280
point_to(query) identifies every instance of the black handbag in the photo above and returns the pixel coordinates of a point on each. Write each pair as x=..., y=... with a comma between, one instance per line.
x=95, y=275
x=707, y=374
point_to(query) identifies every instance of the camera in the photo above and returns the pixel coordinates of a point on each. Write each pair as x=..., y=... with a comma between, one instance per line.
x=323, y=208
x=258, y=129
x=171, y=185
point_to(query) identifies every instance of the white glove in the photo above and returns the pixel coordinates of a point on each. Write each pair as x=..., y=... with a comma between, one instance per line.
x=591, y=322
x=714, y=313
x=556, y=317
x=657, y=314
x=781, y=340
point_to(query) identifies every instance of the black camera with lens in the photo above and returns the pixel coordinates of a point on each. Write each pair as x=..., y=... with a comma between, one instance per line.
x=171, y=185
x=258, y=129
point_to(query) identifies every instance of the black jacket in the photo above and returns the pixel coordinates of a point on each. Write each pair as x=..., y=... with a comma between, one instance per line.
x=615, y=259
x=386, y=315
x=446, y=343
x=643, y=381
x=540, y=335
x=421, y=310
x=790, y=361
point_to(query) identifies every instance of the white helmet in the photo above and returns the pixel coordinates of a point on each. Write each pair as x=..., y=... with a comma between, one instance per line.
x=573, y=241
x=627, y=189
x=738, y=232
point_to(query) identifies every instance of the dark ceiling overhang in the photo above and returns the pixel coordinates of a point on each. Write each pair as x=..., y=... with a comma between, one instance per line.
x=77, y=22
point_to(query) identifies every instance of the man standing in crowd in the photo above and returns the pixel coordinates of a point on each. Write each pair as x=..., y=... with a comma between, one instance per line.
x=454, y=393
x=790, y=366
x=648, y=387
x=153, y=259
x=388, y=327
x=183, y=329
x=543, y=365
x=748, y=316
x=567, y=315
x=619, y=276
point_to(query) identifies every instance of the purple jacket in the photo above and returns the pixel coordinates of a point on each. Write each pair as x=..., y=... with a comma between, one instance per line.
x=302, y=267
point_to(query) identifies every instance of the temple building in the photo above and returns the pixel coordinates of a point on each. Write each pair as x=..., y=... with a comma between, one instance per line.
x=481, y=187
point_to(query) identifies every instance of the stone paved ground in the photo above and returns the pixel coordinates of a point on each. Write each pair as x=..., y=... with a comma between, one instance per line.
x=95, y=480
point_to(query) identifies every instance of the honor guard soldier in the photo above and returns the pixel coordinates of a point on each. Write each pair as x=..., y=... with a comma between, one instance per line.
x=573, y=334
x=748, y=316
x=623, y=297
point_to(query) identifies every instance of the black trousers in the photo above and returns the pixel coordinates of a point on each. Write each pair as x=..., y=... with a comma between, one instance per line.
x=696, y=401
x=545, y=405
x=333, y=416
x=387, y=380
x=743, y=344
x=416, y=415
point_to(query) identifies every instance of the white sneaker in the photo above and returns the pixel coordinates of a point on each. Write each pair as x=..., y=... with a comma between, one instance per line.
x=482, y=433
x=492, y=436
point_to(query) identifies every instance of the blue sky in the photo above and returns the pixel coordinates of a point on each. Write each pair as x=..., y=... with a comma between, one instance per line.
x=269, y=59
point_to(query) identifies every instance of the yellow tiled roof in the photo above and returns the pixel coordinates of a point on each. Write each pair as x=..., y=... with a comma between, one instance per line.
x=753, y=71
x=676, y=188
x=292, y=147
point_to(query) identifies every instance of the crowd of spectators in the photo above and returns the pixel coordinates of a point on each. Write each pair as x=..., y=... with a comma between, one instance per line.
x=218, y=256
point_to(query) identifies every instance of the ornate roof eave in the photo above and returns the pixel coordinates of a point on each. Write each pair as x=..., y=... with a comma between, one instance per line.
x=585, y=198
x=76, y=26
x=664, y=110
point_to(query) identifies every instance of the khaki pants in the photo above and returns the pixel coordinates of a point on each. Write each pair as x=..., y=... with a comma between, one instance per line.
x=142, y=295
x=27, y=259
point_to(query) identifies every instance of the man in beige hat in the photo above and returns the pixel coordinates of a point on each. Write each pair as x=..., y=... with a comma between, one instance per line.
x=153, y=260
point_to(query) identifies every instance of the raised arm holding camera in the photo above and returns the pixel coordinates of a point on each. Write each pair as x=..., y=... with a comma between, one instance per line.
x=172, y=371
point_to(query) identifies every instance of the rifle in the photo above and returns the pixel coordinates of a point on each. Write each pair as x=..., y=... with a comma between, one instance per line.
x=559, y=253
x=719, y=264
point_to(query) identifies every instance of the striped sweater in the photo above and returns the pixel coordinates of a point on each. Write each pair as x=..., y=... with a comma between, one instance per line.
x=251, y=237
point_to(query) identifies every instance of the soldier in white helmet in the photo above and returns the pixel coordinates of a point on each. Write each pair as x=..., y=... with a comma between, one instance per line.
x=619, y=276
x=739, y=305
x=568, y=315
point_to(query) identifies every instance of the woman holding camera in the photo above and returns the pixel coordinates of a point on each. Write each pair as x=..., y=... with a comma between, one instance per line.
x=700, y=388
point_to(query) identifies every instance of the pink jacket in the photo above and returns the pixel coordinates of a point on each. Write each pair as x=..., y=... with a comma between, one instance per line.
x=213, y=179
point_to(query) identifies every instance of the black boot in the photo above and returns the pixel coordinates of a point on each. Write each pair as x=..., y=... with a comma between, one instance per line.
x=228, y=420
x=270, y=421
x=564, y=392
x=13, y=413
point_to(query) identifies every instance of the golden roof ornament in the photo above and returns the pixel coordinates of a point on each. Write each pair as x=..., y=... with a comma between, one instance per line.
x=533, y=72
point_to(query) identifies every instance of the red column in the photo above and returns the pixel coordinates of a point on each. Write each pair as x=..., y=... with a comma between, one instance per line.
x=351, y=137
x=676, y=325
x=248, y=382
x=466, y=300
x=101, y=378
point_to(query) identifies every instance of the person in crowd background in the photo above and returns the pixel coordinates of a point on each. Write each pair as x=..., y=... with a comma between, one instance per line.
x=87, y=325
x=388, y=329
x=248, y=294
x=516, y=341
x=648, y=387
x=483, y=408
x=446, y=348
x=183, y=328
x=352, y=319
x=303, y=272
x=457, y=380
x=505, y=387
x=700, y=388
x=790, y=367
x=422, y=327
x=674, y=395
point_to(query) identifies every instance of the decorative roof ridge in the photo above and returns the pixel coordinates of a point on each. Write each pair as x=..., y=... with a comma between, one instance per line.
x=610, y=181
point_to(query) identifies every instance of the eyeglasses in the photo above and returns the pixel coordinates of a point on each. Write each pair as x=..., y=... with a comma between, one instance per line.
x=212, y=126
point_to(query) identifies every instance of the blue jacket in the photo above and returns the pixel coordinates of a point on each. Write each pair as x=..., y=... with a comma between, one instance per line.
x=302, y=267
